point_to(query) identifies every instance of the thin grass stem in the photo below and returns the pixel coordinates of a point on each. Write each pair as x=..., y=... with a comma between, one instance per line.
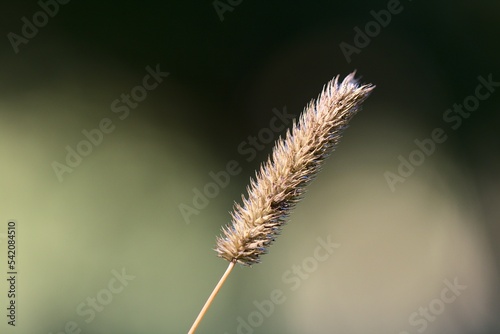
x=211, y=298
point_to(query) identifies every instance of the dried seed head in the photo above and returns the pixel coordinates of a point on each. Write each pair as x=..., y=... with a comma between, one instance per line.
x=295, y=161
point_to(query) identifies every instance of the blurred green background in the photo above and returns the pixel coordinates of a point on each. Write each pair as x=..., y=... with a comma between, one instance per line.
x=118, y=209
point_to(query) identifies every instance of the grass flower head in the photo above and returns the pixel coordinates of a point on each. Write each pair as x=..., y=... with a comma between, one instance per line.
x=295, y=161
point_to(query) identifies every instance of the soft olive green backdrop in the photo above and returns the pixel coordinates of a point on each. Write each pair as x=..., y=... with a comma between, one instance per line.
x=118, y=210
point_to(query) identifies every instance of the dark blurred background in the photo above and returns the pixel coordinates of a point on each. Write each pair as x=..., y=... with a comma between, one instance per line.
x=230, y=65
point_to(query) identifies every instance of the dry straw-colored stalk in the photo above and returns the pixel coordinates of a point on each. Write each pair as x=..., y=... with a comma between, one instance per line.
x=282, y=179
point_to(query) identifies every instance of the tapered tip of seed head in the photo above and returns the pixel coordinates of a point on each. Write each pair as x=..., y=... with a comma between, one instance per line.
x=282, y=179
x=351, y=86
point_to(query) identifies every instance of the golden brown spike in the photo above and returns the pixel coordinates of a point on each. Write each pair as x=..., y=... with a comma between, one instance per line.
x=295, y=161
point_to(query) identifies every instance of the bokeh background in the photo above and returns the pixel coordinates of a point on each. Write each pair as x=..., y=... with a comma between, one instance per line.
x=118, y=210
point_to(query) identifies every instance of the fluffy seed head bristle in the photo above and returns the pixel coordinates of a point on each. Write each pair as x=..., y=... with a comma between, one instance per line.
x=282, y=179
